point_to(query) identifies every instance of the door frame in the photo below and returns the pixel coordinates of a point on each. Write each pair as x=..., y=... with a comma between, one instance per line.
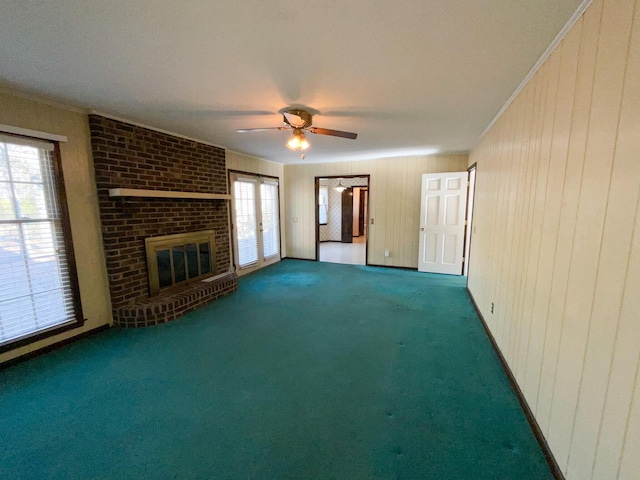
x=364, y=195
x=232, y=241
x=468, y=234
x=317, y=206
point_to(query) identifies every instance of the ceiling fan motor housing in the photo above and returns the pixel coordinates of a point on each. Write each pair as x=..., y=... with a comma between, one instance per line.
x=297, y=118
x=300, y=121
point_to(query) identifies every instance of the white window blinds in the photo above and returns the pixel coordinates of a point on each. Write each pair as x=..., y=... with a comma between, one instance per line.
x=246, y=223
x=35, y=287
x=270, y=218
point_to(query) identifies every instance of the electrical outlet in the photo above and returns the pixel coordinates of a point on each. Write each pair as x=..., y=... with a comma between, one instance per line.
x=491, y=307
x=372, y=221
x=295, y=219
x=386, y=253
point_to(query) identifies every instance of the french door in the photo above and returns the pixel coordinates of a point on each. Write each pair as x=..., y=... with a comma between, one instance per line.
x=256, y=221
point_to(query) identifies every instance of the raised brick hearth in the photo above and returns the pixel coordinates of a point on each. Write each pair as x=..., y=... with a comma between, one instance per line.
x=174, y=304
x=129, y=156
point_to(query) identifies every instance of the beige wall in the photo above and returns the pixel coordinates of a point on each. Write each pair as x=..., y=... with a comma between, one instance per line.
x=245, y=163
x=556, y=246
x=77, y=166
x=394, y=204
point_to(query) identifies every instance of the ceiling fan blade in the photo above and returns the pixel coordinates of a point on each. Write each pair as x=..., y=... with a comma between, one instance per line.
x=333, y=133
x=246, y=130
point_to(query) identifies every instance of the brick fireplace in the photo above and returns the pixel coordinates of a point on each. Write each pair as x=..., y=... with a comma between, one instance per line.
x=134, y=159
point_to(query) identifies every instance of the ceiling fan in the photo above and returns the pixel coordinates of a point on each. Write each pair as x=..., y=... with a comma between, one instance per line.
x=300, y=121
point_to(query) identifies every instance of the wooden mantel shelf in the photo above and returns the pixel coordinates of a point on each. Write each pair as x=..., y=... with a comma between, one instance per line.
x=138, y=192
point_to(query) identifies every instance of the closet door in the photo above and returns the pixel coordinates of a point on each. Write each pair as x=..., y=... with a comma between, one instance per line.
x=256, y=221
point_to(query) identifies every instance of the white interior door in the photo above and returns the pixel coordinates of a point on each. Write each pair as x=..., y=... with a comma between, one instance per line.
x=442, y=213
x=256, y=222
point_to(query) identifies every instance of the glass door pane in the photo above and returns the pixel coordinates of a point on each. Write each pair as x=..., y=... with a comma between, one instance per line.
x=246, y=222
x=270, y=220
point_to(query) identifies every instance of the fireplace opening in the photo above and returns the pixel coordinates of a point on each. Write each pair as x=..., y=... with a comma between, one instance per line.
x=178, y=259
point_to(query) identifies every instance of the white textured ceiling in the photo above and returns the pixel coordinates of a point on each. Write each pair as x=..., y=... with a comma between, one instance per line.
x=410, y=77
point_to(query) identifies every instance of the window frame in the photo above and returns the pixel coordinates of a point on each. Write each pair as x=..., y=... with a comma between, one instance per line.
x=63, y=207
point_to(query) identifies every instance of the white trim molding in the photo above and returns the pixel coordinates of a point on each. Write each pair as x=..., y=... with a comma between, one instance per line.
x=8, y=90
x=32, y=133
x=547, y=53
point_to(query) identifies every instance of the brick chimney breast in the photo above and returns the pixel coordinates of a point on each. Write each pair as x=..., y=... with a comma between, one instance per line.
x=134, y=157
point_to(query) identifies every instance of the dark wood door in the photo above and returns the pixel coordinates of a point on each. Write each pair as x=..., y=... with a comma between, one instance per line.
x=347, y=216
x=362, y=212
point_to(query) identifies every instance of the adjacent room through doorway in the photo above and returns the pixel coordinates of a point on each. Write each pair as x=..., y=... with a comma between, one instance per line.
x=342, y=213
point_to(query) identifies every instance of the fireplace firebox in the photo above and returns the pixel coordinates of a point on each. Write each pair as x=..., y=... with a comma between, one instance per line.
x=178, y=259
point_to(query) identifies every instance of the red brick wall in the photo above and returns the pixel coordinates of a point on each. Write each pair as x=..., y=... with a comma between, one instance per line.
x=128, y=156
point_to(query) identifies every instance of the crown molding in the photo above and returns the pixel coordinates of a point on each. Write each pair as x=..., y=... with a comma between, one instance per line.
x=547, y=53
x=8, y=90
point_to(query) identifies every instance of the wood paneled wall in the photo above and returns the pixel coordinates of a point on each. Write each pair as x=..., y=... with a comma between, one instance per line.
x=394, y=204
x=246, y=163
x=556, y=247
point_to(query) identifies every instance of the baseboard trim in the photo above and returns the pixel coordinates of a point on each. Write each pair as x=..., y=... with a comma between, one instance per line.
x=391, y=266
x=537, y=431
x=51, y=348
x=296, y=258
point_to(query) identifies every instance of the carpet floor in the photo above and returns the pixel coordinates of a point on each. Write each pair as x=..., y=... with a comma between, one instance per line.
x=309, y=371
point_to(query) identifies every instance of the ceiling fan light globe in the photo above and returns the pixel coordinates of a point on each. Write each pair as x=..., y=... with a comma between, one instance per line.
x=293, y=143
x=298, y=140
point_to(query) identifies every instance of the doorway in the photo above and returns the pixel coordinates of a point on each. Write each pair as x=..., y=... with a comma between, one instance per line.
x=469, y=223
x=446, y=210
x=342, y=219
x=256, y=221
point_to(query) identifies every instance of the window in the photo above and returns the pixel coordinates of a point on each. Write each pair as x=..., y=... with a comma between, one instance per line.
x=38, y=286
x=323, y=202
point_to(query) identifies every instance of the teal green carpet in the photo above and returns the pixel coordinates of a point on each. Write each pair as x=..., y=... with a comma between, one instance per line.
x=309, y=371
